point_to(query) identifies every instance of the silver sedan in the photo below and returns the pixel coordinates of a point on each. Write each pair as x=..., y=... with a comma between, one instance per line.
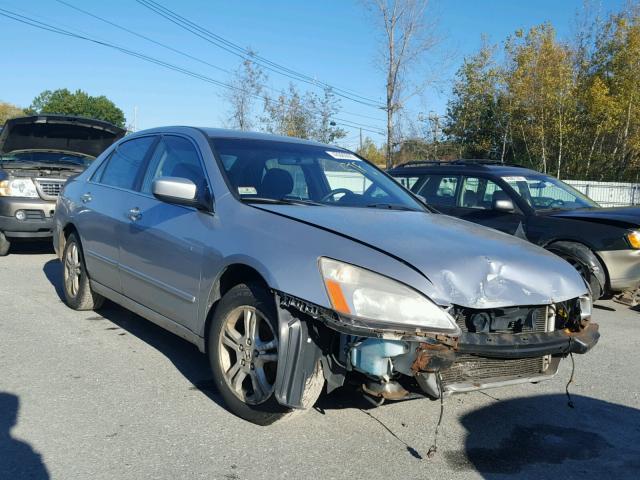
x=296, y=265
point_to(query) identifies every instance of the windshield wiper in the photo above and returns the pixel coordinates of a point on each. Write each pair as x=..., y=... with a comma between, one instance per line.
x=280, y=201
x=391, y=206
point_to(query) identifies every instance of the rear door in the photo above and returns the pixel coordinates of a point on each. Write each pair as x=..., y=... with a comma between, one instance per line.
x=104, y=201
x=163, y=244
x=475, y=204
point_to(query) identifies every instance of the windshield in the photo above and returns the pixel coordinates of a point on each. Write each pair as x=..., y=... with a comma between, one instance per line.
x=547, y=193
x=282, y=172
x=47, y=157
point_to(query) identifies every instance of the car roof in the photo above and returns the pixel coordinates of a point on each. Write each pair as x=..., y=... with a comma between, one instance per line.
x=239, y=134
x=460, y=166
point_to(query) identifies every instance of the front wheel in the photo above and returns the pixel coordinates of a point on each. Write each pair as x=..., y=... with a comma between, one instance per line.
x=243, y=352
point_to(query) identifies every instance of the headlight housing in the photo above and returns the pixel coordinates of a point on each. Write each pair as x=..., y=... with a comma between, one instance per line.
x=379, y=301
x=18, y=187
x=634, y=239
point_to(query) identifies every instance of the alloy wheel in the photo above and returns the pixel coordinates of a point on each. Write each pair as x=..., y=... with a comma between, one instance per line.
x=249, y=354
x=72, y=270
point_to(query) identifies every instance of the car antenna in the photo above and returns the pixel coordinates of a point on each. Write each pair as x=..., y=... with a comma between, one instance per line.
x=434, y=446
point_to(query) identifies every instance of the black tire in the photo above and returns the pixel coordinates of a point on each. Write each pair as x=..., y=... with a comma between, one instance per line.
x=5, y=245
x=75, y=280
x=232, y=363
x=585, y=262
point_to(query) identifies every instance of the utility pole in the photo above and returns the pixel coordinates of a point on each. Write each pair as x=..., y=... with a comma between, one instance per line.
x=135, y=118
x=361, y=139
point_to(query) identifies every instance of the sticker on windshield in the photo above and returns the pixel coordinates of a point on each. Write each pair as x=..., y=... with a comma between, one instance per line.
x=247, y=191
x=343, y=155
x=514, y=179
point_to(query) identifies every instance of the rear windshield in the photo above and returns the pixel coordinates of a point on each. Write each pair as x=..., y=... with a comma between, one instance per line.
x=259, y=170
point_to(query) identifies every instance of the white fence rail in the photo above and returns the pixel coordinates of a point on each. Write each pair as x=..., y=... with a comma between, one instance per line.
x=609, y=194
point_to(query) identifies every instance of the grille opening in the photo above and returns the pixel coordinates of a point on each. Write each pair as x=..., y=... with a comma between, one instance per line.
x=470, y=368
x=503, y=320
x=51, y=188
x=34, y=214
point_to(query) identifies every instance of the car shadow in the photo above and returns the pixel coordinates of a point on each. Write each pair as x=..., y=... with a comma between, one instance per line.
x=540, y=437
x=17, y=458
x=53, y=271
x=185, y=356
x=31, y=247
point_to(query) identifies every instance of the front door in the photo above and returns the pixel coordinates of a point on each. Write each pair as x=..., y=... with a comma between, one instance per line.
x=475, y=204
x=161, y=255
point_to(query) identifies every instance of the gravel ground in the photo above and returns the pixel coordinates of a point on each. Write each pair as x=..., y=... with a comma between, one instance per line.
x=110, y=395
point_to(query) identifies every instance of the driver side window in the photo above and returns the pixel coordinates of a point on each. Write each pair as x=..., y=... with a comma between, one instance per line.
x=479, y=193
x=174, y=157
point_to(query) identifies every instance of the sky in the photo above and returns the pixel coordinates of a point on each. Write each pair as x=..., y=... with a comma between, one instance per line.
x=331, y=40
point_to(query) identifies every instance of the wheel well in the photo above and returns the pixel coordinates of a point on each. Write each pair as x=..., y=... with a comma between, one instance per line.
x=607, y=285
x=233, y=275
x=66, y=231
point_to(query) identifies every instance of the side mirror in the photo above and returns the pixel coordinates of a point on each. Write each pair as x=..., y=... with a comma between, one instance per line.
x=180, y=191
x=504, y=205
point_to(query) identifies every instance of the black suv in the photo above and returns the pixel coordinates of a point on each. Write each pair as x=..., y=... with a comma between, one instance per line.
x=603, y=244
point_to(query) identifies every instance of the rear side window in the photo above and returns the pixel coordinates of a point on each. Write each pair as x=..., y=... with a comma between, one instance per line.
x=124, y=166
x=440, y=189
x=174, y=157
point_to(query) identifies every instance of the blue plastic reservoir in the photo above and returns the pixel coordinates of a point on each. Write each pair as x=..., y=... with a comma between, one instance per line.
x=372, y=355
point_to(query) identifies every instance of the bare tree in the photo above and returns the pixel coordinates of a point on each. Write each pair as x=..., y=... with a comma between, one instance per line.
x=247, y=85
x=408, y=36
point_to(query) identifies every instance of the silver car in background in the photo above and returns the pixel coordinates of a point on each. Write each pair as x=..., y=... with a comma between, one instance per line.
x=294, y=264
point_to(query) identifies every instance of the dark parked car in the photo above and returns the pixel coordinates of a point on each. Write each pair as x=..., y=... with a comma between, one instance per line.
x=603, y=244
x=37, y=156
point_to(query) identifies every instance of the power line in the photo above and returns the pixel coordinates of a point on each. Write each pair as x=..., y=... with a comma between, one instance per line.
x=51, y=28
x=245, y=54
x=182, y=52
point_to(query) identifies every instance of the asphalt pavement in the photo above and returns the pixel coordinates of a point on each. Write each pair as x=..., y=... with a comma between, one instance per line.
x=109, y=395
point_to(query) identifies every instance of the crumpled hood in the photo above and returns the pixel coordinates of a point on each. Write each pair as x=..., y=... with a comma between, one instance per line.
x=469, y=265
x=627, y=216
x=58, y=132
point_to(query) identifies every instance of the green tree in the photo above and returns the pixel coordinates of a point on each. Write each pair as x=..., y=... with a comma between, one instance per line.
x=302, y=115
x=371, y=152
x=8, y=110
x=476, y=119
x=248, y=83
x=77, y=103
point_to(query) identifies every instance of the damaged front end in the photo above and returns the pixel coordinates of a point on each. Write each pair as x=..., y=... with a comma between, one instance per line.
x=488, y=348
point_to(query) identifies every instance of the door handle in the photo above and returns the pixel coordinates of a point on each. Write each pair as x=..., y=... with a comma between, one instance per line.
x=134, y=214
x=86, y=198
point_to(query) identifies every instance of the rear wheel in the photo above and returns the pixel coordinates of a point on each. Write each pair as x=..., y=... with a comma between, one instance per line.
x=243, y=352
x=4, y=245
x=77, y=289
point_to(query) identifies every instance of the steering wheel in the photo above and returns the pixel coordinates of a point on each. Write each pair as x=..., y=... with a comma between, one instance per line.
x=335, y=192
x=557, y=203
